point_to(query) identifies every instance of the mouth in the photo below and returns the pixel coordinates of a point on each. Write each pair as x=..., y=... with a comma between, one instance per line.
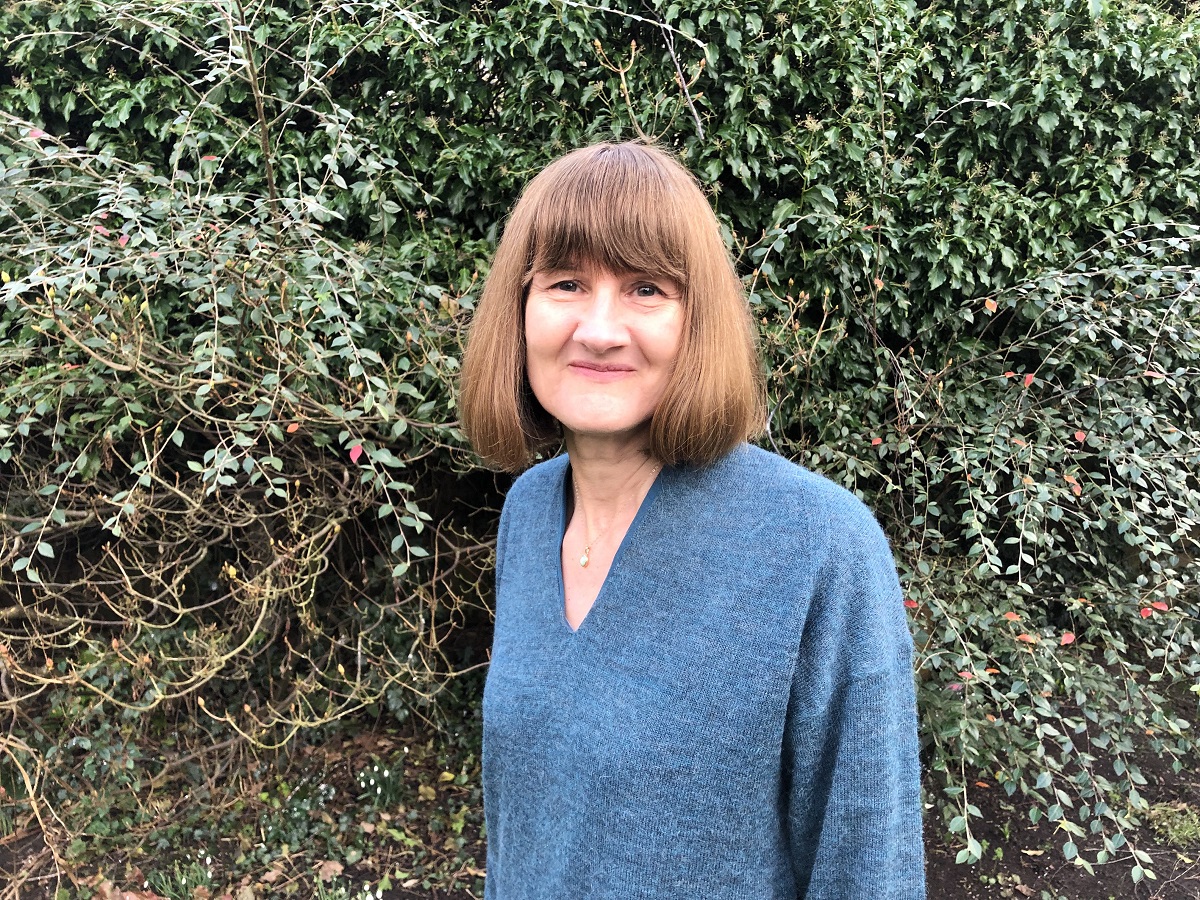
x=601, y=367
x=600, y=371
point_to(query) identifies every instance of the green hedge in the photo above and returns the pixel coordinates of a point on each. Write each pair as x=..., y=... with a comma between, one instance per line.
x=241, y=243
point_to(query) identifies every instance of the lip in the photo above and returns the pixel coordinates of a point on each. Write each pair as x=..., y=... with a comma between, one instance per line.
x=601, y=371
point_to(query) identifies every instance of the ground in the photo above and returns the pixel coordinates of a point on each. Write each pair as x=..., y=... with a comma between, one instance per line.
x=399, y=813
x=1025, y=860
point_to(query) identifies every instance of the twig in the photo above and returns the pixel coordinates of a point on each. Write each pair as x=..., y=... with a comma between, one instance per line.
x=613, y=67
x=636, y=18
x=683, y=84
x=264, y=134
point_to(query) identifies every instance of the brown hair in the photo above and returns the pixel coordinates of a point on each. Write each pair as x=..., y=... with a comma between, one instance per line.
x=628, y=208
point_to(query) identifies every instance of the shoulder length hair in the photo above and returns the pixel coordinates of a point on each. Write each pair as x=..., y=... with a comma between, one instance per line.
x=627, y=207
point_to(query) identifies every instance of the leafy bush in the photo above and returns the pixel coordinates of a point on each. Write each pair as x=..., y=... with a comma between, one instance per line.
x=241, y=241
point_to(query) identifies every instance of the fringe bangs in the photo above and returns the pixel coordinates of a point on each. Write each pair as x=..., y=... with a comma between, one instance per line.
x=617, y=211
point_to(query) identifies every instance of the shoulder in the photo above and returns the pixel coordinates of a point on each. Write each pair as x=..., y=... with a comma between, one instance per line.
x=538, y=481
x=839, y=563
x=816, y=547
x=753, y=484
x=535, y=496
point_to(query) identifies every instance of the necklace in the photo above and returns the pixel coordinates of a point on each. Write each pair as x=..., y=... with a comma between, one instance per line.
x=586, y=557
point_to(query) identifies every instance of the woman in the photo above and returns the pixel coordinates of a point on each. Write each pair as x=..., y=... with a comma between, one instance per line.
x=701, y=682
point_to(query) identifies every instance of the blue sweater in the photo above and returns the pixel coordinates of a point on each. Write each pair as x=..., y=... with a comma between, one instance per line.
x=734, y=718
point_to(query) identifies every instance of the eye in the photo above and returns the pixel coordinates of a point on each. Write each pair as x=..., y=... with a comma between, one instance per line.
x=647, y=289
x=567, y=285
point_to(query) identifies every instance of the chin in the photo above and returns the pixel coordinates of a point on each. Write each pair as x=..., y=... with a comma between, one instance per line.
x=604, y=428
x=599, y=417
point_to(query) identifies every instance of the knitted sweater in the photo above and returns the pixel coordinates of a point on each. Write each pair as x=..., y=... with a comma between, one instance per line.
x=734, y=718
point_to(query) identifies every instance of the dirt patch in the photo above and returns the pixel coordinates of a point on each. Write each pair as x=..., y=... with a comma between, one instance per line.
x=427, y=843
x=1025, y=860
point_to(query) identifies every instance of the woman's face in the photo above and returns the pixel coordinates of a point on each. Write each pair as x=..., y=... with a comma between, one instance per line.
x=600, y=347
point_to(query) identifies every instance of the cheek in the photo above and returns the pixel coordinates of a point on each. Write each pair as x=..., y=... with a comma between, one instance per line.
x=670, y=341
x=541, y=348
x=544, y=331
x=535, y=353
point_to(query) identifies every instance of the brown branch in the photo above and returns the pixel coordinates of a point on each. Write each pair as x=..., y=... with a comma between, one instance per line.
x=264, y=130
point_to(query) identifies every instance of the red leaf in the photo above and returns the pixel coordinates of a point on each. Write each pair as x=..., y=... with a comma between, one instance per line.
x=36, y=133
x=355, y=453
x=1067, y=638
x=293, y=428
x=875, y=442
x=1027, y=638
x=1081, y=436
x=1009, y=374
x=910, y=604
x=209, y=158
x=1029, y=379
x=100, y=229
x=1147, y=612
x=123, y=240
x=990, y=305
x=1011, y=616
x=1160, y=606
x=966, y=676
x=1150, y=374
x=329, y=869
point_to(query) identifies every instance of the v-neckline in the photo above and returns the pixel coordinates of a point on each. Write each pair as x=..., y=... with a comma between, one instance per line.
x=564, y=495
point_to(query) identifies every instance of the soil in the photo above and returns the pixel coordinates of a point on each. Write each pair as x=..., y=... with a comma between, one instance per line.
x=1026, y=860
x=1020, y=860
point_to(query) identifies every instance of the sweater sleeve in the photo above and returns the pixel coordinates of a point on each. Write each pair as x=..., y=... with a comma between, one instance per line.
x=850, y=752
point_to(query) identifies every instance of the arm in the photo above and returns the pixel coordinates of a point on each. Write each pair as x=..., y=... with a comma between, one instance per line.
x=850, y=752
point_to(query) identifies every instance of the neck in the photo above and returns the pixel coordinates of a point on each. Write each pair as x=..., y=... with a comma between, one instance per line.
x=609, y=479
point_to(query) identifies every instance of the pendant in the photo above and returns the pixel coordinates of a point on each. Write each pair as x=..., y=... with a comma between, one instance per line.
x=583, y=560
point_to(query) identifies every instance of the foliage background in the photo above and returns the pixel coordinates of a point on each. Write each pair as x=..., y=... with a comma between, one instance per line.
x=240, y=243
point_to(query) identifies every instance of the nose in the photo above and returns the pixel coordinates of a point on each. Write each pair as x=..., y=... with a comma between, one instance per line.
x=600, y=327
